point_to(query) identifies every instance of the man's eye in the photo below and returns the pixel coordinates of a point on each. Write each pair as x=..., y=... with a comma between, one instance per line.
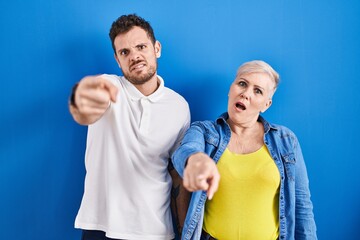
x=123, y=52
x=141, y=47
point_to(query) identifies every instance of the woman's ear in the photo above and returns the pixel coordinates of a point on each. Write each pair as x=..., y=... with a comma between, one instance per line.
x=267, y=105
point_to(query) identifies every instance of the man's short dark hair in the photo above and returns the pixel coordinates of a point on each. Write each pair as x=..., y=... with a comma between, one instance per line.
x=125, y=23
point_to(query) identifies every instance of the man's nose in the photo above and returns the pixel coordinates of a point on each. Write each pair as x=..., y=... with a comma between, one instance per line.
x=134, y=56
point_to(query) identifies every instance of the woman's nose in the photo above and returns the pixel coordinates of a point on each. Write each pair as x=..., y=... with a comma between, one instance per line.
x=244, y=95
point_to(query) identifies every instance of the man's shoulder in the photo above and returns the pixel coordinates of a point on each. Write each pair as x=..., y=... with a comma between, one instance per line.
x=173, y=95
x=115, y=79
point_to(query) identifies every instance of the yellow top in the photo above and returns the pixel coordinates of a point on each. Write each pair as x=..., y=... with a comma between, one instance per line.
x=246, y=205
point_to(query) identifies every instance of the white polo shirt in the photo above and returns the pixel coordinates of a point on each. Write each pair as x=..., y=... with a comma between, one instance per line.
x=127, y=185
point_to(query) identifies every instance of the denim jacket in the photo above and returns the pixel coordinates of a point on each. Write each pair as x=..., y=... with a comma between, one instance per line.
x=296, y=218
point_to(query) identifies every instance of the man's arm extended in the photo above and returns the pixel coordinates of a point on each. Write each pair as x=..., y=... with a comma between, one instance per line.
x=90, y=99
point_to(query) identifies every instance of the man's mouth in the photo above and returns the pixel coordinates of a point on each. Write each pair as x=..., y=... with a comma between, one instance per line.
x=240, y=106
x=137, y=66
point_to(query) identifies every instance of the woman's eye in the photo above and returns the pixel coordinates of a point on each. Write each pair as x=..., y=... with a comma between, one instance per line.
x=242, y=84
x=258, y=91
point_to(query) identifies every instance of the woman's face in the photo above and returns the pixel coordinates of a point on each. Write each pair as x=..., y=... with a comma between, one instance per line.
x=249, y=95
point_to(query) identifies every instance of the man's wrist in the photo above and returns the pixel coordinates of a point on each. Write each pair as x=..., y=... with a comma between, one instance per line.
x=72, y=96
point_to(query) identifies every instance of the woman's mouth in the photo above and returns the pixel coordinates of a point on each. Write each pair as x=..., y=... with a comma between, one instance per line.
x=240, y=106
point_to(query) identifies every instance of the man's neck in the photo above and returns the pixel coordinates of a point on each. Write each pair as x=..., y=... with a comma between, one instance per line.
x=149, y=87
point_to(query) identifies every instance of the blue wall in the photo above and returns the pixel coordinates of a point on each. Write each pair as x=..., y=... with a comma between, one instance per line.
x=46, y=46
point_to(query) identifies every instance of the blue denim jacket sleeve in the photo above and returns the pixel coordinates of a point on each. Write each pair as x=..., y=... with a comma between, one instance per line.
x=200, y=137
x=193, y=142
x=305, y=227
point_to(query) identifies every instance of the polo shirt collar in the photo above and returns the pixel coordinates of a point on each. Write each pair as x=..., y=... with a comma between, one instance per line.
x=135, y=94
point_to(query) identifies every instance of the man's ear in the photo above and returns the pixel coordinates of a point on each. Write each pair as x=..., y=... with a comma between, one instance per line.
x=157, y=49
x=117, y=60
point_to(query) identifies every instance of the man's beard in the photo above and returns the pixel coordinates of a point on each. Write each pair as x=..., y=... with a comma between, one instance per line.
x=141, y=79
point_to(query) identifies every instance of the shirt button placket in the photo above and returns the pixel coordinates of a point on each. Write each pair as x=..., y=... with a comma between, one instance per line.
x=145, y=117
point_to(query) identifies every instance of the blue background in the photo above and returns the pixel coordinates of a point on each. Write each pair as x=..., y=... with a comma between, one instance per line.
x=46, y=46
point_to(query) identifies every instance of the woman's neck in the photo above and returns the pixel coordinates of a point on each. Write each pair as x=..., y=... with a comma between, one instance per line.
x=246, y=138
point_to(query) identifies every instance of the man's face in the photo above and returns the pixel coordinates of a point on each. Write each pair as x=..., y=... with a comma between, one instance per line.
x=137, y=55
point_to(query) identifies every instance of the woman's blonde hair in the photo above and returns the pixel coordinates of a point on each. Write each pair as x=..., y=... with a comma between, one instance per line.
x=258, y=66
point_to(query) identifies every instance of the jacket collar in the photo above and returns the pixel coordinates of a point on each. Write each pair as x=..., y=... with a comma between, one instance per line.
x=267, y=126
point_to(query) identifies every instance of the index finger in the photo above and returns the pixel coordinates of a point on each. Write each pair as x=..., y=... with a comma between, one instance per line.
x=214, y=184
x=110, y=87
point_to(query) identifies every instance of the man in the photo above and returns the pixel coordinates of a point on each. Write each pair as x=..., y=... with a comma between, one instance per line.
x=134, y=125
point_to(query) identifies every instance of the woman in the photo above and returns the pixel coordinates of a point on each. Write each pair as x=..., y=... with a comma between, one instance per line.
x=264, y=190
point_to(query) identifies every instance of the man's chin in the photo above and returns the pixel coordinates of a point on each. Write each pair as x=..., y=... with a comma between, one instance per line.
x=139, y=80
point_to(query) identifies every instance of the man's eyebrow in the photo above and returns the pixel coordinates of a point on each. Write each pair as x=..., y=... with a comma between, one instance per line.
x=142, y=43
x=122, y=49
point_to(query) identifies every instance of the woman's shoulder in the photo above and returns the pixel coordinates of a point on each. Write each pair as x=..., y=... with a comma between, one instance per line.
x=206, y=124
x=281, y=130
